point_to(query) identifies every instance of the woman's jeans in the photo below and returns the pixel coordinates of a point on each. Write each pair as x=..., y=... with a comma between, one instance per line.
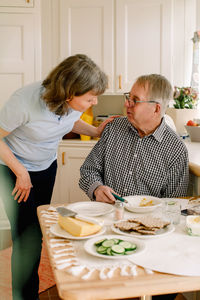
x=25, y=228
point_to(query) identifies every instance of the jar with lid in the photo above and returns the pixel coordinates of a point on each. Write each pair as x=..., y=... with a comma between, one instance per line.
x=119, y=210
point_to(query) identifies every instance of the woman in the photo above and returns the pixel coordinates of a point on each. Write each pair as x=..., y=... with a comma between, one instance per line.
x=32, y=123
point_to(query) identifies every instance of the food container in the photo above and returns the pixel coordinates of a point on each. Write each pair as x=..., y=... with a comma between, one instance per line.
x=193, y=225
x=194, y=133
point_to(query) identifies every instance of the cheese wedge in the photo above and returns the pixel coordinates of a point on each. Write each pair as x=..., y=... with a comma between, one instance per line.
x=77, y=227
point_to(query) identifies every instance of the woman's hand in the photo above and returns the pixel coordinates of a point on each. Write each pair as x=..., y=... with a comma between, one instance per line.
x=22, y=187
x=104, y=194
x=101, y=127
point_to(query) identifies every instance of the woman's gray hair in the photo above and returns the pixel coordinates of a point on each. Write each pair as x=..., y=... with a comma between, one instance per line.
x=160, y=89
x=74, y=76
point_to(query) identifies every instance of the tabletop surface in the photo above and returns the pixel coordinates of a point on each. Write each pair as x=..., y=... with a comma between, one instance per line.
x=118, y=286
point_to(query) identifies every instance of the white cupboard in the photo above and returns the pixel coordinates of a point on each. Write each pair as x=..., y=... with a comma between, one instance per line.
x=127, y=38
x=17, y=3
x=88, y=27
x=71, y=155
x=139, y=31
x=143, y=39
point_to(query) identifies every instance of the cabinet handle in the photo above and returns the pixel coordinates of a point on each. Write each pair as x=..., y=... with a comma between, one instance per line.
x=120, y=82
x=63, y=158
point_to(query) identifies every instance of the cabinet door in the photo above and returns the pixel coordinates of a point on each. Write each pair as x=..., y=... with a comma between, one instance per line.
x=70, y=160
x=17, y=57
x=143, y=40
x=87, y=27
x=16, y=3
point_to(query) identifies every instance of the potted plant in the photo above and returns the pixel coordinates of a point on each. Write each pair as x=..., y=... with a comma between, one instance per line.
x=185, y=97
x=184, y=107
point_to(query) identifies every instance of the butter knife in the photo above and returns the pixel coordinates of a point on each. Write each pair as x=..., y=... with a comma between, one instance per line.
x=65, y=212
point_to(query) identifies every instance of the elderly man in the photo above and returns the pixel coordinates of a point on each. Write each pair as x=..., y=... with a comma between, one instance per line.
x=138, y=154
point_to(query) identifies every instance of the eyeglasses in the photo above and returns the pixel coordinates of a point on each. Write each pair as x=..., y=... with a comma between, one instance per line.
x=133, y=101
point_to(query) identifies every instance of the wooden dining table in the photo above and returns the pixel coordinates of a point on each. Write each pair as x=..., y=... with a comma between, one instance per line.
x=144, y=285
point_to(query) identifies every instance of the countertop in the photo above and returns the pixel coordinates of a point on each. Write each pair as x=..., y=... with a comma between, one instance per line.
x=194, y=156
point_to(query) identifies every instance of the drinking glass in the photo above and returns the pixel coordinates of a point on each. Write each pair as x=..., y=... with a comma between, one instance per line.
x=172, y=211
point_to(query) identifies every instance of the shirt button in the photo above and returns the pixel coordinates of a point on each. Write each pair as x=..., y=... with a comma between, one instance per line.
x=135, y=155
x=130, y=172
x=125, y=190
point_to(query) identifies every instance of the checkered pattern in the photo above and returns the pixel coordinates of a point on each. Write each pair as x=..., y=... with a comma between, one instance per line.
x=155, y=165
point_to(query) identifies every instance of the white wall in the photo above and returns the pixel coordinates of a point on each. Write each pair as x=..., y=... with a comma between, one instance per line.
x=197, y=15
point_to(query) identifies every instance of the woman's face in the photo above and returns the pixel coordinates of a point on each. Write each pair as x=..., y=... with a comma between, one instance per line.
x=82, y=103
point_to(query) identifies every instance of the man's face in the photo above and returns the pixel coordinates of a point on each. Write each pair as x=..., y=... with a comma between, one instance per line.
x=141, y=114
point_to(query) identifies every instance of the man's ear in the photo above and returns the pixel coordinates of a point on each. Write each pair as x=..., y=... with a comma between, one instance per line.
x=158, y=108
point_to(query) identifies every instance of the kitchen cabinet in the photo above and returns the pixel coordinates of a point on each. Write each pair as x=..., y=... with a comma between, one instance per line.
x=142, y=37
x=127, y=38
x=17, y=3
x=20, y=45
x=71, y=155
x=88, y=27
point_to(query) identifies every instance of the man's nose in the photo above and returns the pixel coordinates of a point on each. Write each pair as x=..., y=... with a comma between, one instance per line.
x=127, y=103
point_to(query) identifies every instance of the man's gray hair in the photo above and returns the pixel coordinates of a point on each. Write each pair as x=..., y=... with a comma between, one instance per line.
x=160, y=89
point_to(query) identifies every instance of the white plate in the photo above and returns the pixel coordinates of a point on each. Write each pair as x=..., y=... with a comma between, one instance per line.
x=91, y=248
x=133, y=204
x=91, y=209
x=161, y=232
x=58, y=231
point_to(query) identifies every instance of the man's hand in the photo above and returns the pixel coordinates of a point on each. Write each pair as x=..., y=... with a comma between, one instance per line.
x=22, y=187
x=104, y=194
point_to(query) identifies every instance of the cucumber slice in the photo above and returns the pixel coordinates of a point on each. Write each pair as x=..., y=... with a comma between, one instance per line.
x=129, y=252
x=109, y=251
x=117, y=254
x=118, y=249
x=99, y=243
x=108, y=243
x=126, y=245
x=101, y=249
x=116, y=241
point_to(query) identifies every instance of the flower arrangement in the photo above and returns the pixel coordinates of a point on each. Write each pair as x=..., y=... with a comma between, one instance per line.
x=185, y=97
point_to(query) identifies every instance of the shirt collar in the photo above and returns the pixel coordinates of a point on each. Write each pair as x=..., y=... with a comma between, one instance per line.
x=157, y=134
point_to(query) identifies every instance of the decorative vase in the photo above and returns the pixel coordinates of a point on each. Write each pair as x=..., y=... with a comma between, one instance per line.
x=181, y=116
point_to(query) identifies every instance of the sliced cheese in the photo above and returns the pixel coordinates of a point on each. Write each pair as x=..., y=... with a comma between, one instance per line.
x=77, y=227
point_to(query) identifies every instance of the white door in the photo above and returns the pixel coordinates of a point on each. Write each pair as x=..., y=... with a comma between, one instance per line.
x=143, y=40
x=17, y=56
x=87, y=27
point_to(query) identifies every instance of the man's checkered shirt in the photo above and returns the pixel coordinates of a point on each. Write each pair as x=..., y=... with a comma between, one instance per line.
x=155, y=165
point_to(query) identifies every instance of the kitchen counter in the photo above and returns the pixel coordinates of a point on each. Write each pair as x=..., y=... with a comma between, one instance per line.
x=194, y=157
